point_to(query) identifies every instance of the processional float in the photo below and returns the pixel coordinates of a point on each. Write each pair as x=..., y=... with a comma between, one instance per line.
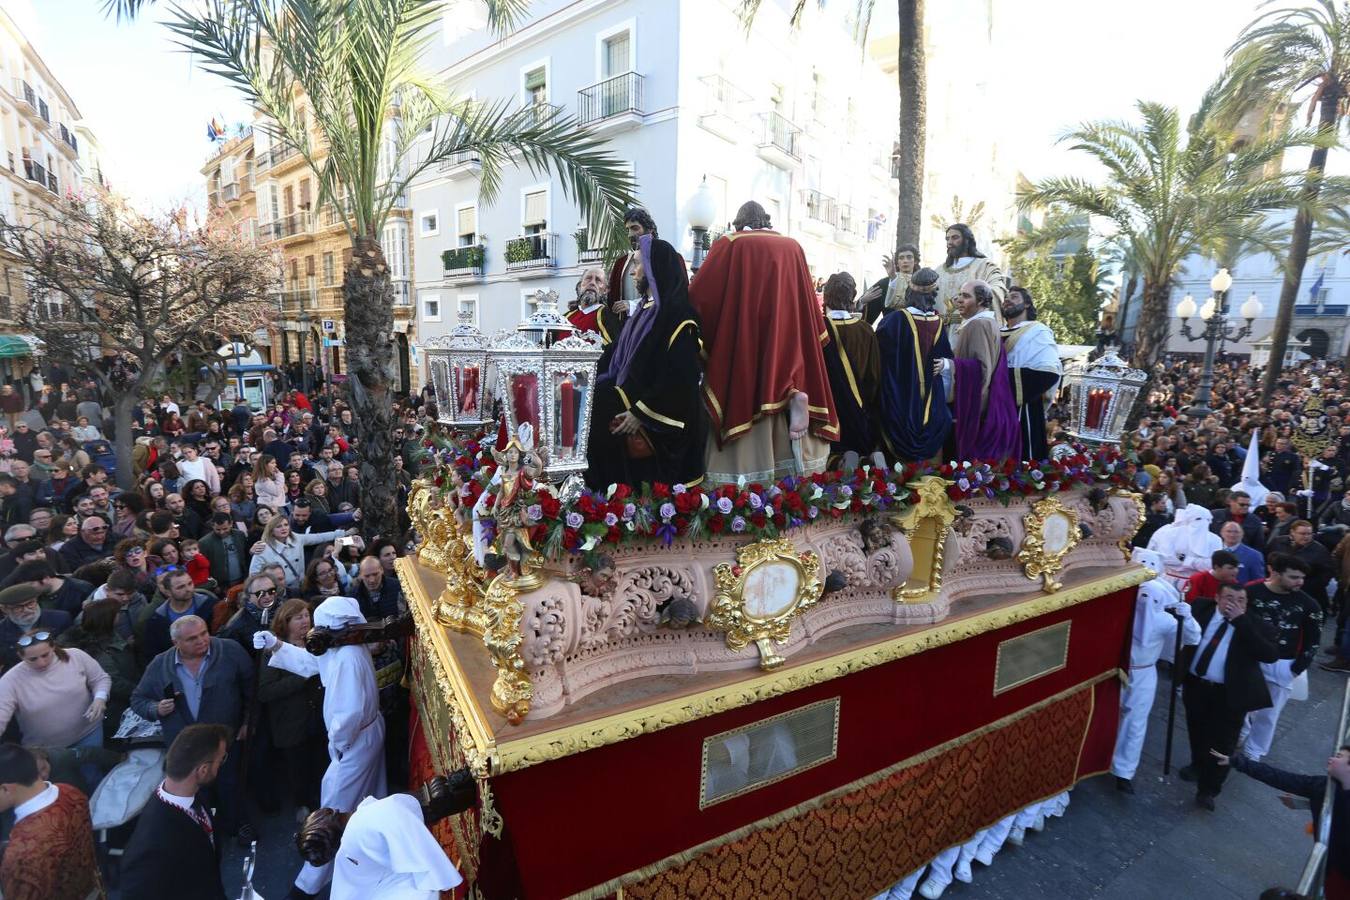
x=808, y=688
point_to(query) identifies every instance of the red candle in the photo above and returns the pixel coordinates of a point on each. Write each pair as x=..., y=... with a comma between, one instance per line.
x=525, y=394
x=569, y=413
x=468, y=392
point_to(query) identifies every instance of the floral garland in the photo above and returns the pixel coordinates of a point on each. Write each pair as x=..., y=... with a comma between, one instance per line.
x=624, y=514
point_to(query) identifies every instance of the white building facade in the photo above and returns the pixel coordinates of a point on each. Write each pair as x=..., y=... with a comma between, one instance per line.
x=798, y=120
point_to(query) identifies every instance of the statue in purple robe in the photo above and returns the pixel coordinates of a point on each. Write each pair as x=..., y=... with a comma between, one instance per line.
x=983, y=407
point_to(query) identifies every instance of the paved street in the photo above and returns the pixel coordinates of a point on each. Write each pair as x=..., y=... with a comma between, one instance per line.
x=1156, y=844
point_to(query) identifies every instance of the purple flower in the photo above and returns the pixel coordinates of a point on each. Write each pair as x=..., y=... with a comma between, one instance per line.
x=534, y=512
x=846, y=491
x=666, y=532
x=678, y=489
x=667, y=510
x=738, y=524
x=963, y=483
x=756, y=501
x=629, y=510
x=724, y=505
x=611, y=520
x=812, y=512
x=774, y=492
x=575, y=520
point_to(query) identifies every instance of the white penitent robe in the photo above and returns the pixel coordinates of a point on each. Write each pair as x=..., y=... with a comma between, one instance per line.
x=351, y=713
x=387, y=853
x=968, y=268
x=1187, y=544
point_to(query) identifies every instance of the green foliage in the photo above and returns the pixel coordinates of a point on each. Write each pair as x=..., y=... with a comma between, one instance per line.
x=1066, y=292
x=464, y=258
x=519, y=250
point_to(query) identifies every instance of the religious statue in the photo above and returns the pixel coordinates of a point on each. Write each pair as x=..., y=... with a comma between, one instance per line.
x=889, y=292
x=518, y=465
x=965, y=263
x=760, y=315
x=914, y=416
x=1035, y=368
x=979, y=387
x=854, y=367
x=648, y=423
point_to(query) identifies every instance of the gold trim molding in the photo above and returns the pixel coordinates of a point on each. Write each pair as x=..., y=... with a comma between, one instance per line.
x=741, y=616
x=1037, y=560
x=1140, y=516
x=925, y=524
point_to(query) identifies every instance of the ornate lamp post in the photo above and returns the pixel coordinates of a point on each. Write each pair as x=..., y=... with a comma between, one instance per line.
x=1101, y=393
x=458, y=363
x=701, y=212
x=1214, y=313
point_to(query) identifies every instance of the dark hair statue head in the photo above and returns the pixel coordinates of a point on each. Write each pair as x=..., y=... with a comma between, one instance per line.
x=967, y=247
x=1023, y=300
x=751, y=215
x=839, y=291
x=639, y=215
x=922, y=290
x=910, y=249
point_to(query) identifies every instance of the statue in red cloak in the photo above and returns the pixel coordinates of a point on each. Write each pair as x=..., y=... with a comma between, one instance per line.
x=765, y=385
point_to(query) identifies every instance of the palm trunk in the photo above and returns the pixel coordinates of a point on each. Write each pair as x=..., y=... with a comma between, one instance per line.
x=913, y=122
x=368, y=302
x=1298, y=245
x=1150, y=337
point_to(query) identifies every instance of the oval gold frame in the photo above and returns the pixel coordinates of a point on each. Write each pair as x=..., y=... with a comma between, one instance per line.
x=728, y=612
x=1037, y=561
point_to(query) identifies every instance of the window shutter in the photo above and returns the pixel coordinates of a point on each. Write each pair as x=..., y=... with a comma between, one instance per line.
x=534, y=80
x=616, y=55
x=467, y=225
x=536, y=208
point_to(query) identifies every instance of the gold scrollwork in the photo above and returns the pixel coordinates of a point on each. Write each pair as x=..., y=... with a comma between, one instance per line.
x=925, y=523
x=1140, y=515
x=502, y=610
x=1042, y=555
x=755, y=616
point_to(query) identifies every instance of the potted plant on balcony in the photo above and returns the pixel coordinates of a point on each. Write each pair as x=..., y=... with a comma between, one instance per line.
x=519, y=250
x=458, y=258
x=583, y=241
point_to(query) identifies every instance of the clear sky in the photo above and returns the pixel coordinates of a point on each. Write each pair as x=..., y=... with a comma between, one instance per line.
x=1065, y=61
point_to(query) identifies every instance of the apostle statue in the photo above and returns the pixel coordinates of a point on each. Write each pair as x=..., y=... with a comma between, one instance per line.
x=590, y=311
x=889, y=292
x=1033, y=363
x=978, y=385
x=914, y=416
x=623, y=298
x=648, y=423
x=965, y=263
x=854, y=368
x=766, y=387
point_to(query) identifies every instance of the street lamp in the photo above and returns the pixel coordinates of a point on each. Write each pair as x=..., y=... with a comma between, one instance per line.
x=304, y=336
x=701, y=212
x=1214, y=314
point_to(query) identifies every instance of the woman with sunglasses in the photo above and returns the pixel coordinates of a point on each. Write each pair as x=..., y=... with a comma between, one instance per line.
x=280, y=545
x=57, y=695
x=130, y=555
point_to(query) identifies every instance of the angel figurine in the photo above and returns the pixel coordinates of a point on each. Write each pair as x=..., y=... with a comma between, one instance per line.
x=508, y=505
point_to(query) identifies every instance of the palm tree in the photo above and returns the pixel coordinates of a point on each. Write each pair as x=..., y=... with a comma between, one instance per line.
x=346, y=71
x=1171, y=193
x=913, y=78
x=1281, y=53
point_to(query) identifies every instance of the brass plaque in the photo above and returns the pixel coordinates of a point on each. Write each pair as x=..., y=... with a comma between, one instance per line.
x=1031, y=655
x=761, y=753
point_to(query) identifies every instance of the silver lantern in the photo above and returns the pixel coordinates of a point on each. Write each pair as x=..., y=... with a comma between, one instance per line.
x=458, y=363
x=549, y=385
x=1101, y=394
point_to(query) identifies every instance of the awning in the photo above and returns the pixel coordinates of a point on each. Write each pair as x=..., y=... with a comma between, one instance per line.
x=12, y=345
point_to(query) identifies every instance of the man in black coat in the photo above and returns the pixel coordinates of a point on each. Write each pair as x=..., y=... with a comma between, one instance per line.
x=175, y=850
x=1224, y=682
x=1239, y=510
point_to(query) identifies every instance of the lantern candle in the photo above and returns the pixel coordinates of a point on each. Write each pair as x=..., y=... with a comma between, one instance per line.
x=525, y=399
x=569, y=413
x=468, y=391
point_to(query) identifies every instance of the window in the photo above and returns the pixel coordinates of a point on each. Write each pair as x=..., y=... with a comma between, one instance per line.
x=288, y=199
x=294, y=266
x=395, y=246
x=309, y=266
x=536, y=85
x=615, y=58
x=429, y=224
x=431, y=307
x=466, y=227
x=304, y=194
x=276, y=212
x=536, y=211
x=468, y=303
x=329, y=275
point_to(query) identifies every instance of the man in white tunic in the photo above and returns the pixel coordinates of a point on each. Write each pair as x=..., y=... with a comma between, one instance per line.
x=1187, y=544
x=966, y=263
x=1157, y=610
x=1034, y=366
x=387, y=853
x=351, y=713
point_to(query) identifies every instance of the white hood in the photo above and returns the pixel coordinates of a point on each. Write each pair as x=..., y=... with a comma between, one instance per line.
x=1251, y=473
x=336, y=612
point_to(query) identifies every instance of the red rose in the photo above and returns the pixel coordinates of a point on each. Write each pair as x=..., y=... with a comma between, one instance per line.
x=686, y=502
x=758, y=520
x=550, y=505
x=613, y=534
x=780, y=520
x=621, y=492
x=660, y=491
x=855, y=505
x=715, y=525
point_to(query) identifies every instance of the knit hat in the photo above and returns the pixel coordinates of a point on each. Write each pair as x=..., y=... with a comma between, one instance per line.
x=19, y=594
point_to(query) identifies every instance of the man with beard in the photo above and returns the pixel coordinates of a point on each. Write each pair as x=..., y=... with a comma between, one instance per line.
x=965, y=263
x=623, y=295
x=915, y=417
x=1033, y=363
x=591, y=312
x=23, y=613
x=188, y=522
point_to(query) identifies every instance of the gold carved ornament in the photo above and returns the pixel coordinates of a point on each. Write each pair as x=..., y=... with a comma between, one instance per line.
x=753, y=617
x=925, y=523
x=512, y=690
x=1140, y=516
x=1042, y=555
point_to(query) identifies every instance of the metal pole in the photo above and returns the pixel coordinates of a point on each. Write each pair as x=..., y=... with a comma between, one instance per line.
x=1310, y=884
x=1172, y=699
x=1213, y=328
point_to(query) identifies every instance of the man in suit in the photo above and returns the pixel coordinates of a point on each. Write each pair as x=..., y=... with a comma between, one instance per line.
x=1224, y=682
x=1251, y=564
x=175, y=849
x=1239, y=510
x=201, y=679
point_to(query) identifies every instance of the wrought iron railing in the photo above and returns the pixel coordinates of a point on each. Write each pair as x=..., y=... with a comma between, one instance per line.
x=531, y=251
x=611, y=97
x=781, y=134
x=464, y=262
x=821, y=207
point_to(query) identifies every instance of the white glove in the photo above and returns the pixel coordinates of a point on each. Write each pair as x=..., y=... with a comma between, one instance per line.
x=264, y=640
x=1182, y=609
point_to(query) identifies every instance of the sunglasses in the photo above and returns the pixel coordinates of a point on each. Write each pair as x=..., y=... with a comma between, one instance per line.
x=29, y=640
x=267, y=593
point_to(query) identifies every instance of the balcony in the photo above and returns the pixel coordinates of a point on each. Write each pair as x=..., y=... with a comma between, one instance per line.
x=723, y=107
x=822, y=212
x=229, y=192
x=542, y=115
x=532, y=253
x=297, y=223
x=25, y=96
x=69, y=144
x=614, y=104
x=330, y=297
x=780, y=144
x=1317, y=309
x=402, y=296
x=299, y=299
x=34, y=171
x=465, y=162
x=281, y=154
x=849, y=231
x=463, y=263
x=44, y=113
x=331, y=216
